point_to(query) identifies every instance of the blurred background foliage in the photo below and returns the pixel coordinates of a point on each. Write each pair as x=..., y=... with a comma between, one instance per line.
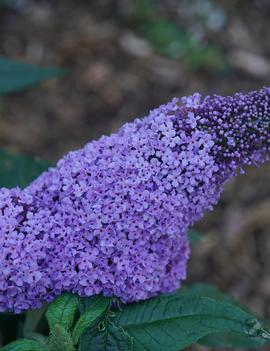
x=124, y=57
x=176, y=40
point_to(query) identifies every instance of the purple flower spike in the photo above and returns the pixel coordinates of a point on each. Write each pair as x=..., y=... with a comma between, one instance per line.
x=112, y=217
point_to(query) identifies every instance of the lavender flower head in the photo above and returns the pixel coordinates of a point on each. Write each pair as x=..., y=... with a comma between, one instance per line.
x=112, y=218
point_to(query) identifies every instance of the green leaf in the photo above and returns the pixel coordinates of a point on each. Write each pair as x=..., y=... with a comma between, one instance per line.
x=85, y=303
x=208, y=290
x=118, y=339
x=15, y=76
x=59, y=339
x=105, y=336
x=232, y=341
x=19, y=170
x=23, y=345
x=173, y=322
x=62, y=311
x=95, y=337
x=96, y=309
x=223, y=340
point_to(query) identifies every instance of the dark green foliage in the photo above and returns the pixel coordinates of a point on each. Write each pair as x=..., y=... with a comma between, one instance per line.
x=171, y=39
x=24, y=345
x=15, y=76
x=93, y=312
x=62, y=311
x=174, y=322
x=106, y=336
x=19, y=170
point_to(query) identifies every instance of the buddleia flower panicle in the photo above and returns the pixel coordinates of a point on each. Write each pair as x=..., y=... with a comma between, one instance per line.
x=112, y=218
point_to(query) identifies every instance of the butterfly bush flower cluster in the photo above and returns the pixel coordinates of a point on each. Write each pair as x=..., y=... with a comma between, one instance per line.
x=112, y=218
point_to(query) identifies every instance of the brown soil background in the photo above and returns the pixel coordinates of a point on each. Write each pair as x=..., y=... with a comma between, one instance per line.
x=115, y=74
